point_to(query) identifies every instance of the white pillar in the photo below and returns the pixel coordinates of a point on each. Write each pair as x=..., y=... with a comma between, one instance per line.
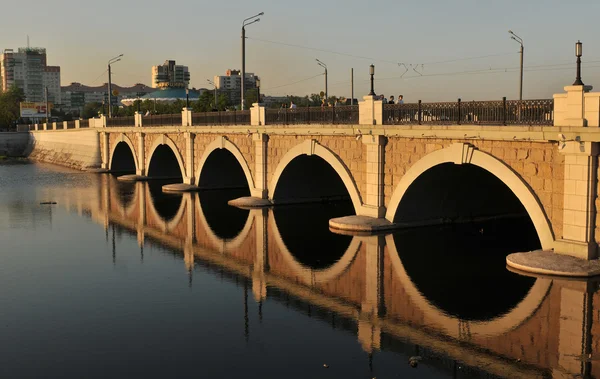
x=569, y=108
x=141, y=170
x=257, y=115
x=189, y=158
x=105, y=151
x=186, y=117
x=370, y=111
x=580, y=191
x=374, y=201
x=261, y=142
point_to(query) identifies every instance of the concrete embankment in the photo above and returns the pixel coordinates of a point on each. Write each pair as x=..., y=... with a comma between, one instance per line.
x=78, y=148
x=13, y=144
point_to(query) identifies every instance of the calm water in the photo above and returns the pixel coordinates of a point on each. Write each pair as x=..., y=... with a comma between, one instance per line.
x=122, y=281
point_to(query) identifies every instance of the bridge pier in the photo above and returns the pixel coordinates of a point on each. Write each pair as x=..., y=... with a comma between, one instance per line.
x=259, y=195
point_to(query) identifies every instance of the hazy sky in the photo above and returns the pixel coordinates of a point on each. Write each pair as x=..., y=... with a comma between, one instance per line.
x=81, y=36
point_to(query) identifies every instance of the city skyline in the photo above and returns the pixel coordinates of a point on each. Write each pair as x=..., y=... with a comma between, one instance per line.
x=282, y=49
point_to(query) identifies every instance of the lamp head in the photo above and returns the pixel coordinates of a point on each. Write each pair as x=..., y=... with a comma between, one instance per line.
x=578, y=49
x=261, y=13
x=372, y=69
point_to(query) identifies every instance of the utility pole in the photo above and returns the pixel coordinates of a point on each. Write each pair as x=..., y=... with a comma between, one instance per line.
x=352, y=81
x=243, y=78
x=519, y=41
x=111, y=61
x=47, y=104
x=325, y=67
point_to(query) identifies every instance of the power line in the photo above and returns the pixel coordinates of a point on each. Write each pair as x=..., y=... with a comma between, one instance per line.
x=296, y=82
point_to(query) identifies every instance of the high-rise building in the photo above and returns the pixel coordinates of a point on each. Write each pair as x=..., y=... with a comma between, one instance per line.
x=231, y=84
x=27, y=69
x=170, y=75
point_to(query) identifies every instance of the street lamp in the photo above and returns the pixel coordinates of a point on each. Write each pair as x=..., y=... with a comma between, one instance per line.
x=246, y=22
x=578, y=54
x=111, y=61
x=187, y=98
x=258, y=90
x=211, y=82
x=325, y=67
x=372, y=73
x=519, y=41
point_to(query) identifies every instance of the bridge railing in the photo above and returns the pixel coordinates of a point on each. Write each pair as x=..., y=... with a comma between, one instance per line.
x=70, y=124
x=501, y=112
x=221, y=118
x=162, y=120
x=312, y=115
x=124, y=121
x=84, y=123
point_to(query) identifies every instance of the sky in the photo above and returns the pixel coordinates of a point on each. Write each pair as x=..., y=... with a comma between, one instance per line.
x=427, y=50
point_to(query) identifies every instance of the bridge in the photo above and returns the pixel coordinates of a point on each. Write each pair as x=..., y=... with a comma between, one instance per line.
x=372, y=291
x=400, y=165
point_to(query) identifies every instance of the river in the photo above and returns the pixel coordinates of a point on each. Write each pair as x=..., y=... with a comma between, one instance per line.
x=122, y=281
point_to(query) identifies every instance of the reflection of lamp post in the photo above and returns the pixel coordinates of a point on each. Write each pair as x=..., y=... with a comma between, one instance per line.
x=520, y=41
x=244, y=24
x=111, y=61
x=372, y=73
x=258, y=90
x=325, y=67
x=578, y=54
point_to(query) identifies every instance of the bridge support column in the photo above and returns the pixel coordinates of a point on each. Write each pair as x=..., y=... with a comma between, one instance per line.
x=374, y=204
x=259, y=195
x=575, y=330
x=580, y=191
x=369, y=334
x=105, y=150
x=141, y=170
x=259, y=282
x=189, y=158
x=141, y=190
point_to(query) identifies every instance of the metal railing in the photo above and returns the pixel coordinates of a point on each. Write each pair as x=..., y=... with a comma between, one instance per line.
x=162, y=120
x=120, y=121
x=70, y=124
x=502, y=112
x=347, y=114
x=84, y=123
x=221, y=118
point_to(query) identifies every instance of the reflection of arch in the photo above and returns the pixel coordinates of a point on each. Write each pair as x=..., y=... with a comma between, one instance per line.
x=460, y=153
x=133, y=204
x=164, y=140
x=224, y=143
x=165, y=225
x=123, y=138
x=224, y=245
x=312, y=147
x=308, y=275
x=452, y=325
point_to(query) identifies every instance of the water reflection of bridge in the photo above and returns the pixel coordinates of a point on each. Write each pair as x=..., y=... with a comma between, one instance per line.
x=554, y=327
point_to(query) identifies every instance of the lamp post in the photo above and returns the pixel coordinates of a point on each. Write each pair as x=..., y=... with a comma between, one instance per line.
x=111, y=61
x=211, y=82
x=187, y=98
x=372, y=73
x=578, y=54
x=258, y=90
x=519, y=41
x=246, y=22
x=325, y=67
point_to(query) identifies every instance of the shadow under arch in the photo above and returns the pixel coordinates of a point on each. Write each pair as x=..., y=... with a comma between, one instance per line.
x=462, y=153
x=120, y=150
x=455, y=327
x=220, y=244
x=167, y=221
x=306, y=274
x=223, y=143
x=313, y=148
x=159, y=143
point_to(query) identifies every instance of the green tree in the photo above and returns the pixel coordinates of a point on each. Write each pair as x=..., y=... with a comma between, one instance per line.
x=9, y=106
x=91, y=110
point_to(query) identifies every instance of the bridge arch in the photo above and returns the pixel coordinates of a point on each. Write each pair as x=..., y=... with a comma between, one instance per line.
x=460, y=153
x=122, y=138
x=164, y=140
x=154, y=215
x=454, y=326
x=308, y=275
x=224, y=143
x=313, y=148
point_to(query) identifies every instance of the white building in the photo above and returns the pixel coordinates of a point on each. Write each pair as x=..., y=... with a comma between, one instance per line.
x=27, y=69
x=231, y=84
x=170, y=75
x=76, y=95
